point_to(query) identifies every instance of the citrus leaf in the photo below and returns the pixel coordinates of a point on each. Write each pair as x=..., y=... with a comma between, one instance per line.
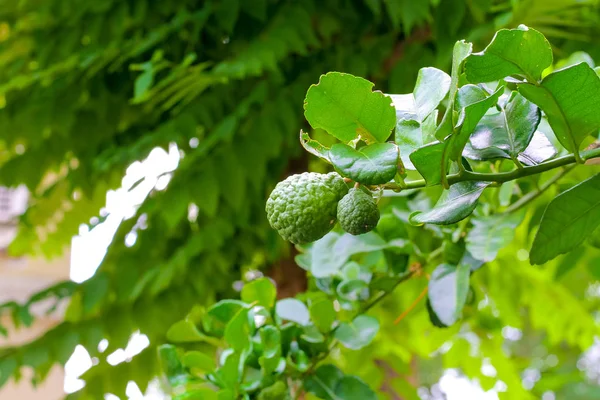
x=345, y=106
x=329, y=383
x=262, y=291
x=314, y=147
x=358, y=333
x=293, y=310
x=473, y=102
x=571, y=100
x=454, y=204
x=568, y=220
x=271, y=348
x=410, y=135
x=374, y=164
x=322, y=314
x=539, y=150
x=448, y=289
x=238, y=331
x=523, y=51
x=427, y=161
x=490, y=234
x=430, y=89
x=460, y=52
x=198, y=360
x=183, y=332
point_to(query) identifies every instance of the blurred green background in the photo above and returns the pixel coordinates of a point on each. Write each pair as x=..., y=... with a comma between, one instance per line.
x=91, y=90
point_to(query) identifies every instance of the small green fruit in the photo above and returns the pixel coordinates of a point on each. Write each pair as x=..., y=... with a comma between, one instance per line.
x=357, y=212
x=303, y=207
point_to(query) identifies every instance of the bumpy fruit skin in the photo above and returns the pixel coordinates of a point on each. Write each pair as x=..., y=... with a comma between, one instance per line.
x=303, y=207
x=357, y=212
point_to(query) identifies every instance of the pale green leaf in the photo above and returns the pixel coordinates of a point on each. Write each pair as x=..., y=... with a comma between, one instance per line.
x=346, y=107
x=490, y=234
x=448, y=289
x=358, y=333
x=431, y=88
x=293, y=310
x=262, y=291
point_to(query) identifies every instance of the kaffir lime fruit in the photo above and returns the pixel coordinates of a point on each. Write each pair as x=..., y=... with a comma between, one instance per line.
x=357, y=212
x=303, y=207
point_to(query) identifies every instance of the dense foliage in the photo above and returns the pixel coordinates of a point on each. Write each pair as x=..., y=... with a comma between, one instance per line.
x=225, y=82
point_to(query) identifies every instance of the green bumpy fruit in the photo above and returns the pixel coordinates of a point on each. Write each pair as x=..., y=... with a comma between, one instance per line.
x=357, y=212
x=303, y=207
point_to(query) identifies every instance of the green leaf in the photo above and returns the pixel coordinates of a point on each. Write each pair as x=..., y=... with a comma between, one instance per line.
x=454, y=204
x=352, y=388
x=313, y=147
x=490, y=234
x=522, y=51
x=262, y=291
x=271, y=348
x=358, y=333
x=197, y=394
x=411, y=135
x=510, y=131
x=183, y=332
x=230, y=372
x=293, y=310
x=431, y=88
x=324, y=381
x=346, y=107
x=198, y=360
x=460, y=52
x=427, y=161
x=238, y=331
x=568, y=220
x=370, y=165
x=322, y=314
x=171, y=364
x=594, y=239
x=448, y=289
x=218, y=316
x=571, y=99
x=481, y=148
x=329, y=383
x=473, y=102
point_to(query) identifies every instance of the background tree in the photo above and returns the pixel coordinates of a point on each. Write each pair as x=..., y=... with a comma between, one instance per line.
x=90, y=88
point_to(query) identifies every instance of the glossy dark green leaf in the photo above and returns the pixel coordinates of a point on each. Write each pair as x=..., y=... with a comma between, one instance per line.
x=454, y=204
x=568, y=220
x=427, y=161
x=313, y=146
x=522, y=51
x=346, y=107
x=293, y=310
x=570, y=98
x=460, y=52
x=473, y=102
x=358, y=333
x=490, y=234
x=329, y=383
x=370, y=165
x=260, y=291
x=199, y=361
x=322, y=314
x=448, y=289
x=481, y=148
x=430, y=89
x=238, y=331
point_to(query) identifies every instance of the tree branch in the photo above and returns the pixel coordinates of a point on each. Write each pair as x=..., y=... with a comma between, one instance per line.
x=501, y=177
